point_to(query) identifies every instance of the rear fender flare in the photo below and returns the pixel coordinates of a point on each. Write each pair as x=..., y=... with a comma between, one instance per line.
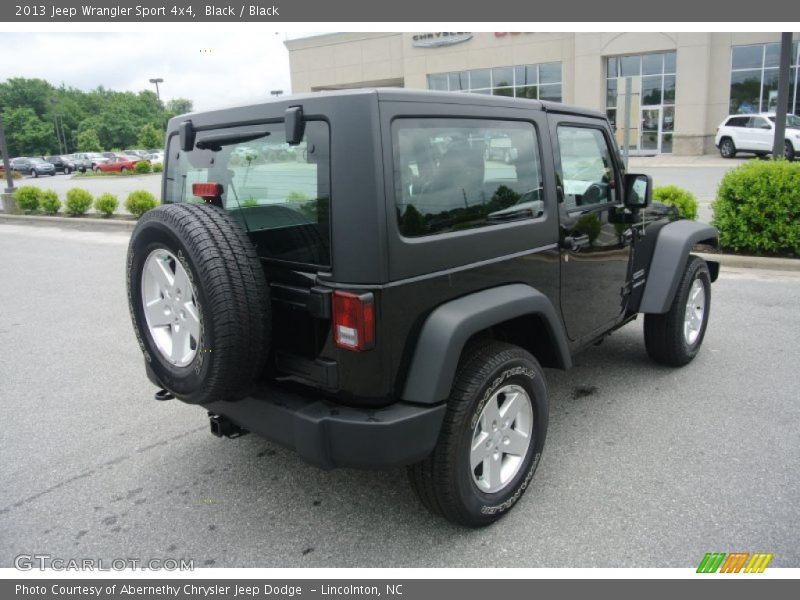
x=448, y=327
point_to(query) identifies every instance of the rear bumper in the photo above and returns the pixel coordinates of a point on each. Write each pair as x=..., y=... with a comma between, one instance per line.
x=331, y=435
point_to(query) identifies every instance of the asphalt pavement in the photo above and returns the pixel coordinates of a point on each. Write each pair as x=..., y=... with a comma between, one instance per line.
x=643, y=465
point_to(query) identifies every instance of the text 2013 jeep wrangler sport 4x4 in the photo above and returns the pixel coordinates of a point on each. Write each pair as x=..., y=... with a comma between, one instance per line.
x=353, y=275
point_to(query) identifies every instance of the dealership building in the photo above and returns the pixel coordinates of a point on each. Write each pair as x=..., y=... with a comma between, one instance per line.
x=682, y=84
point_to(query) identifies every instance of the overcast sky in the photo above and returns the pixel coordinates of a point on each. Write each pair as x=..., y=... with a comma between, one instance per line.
x=221, y=70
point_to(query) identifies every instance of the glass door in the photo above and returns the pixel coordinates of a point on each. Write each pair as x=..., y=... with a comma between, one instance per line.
x=650, y=138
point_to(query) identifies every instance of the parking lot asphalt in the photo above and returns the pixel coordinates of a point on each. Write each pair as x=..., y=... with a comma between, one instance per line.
x=643, y=465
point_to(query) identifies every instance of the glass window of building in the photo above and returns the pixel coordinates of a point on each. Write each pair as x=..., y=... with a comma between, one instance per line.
x=535, y=82
x=652, y=120
x=754, y=79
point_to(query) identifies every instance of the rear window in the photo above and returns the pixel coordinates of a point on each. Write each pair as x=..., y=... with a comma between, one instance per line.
x=457, y=174
x=737, y=122
x=280, y=194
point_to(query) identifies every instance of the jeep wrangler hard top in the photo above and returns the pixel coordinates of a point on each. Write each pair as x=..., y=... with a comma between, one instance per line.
x=377, y=277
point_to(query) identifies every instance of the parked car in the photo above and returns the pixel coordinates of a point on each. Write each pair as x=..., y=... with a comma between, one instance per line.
x=118, y=163
x=33, y=166
x=93, y=158
x=756, y=134
x=81, y=164
x=379, y=306
x=139, y=153
x=155, y=157
x=63, y=164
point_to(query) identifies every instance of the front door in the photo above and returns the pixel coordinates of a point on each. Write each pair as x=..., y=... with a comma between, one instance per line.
x=650, y=136
x=595, y=248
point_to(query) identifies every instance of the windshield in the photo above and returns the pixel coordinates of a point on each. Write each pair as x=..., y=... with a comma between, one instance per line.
x=277, y=192
x=791, y=121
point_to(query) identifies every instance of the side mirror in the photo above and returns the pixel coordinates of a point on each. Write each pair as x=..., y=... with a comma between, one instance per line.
x=638, y=191
x=295, y=125
x=186, y=133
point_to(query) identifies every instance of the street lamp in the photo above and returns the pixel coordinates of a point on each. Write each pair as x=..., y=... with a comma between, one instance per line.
x=156, y=81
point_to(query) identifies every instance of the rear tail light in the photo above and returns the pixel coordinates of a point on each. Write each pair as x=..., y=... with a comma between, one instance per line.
x=206, y=191
x=353, y=321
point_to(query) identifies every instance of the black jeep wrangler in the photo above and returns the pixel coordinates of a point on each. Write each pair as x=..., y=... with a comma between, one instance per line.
x=358, y=276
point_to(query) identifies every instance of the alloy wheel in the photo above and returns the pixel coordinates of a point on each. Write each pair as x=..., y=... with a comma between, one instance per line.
x=501, y=439
x=695, y=311
x=170, y=307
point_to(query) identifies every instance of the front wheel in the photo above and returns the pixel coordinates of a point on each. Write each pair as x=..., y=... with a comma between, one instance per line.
x=675, y=337
x=788, y=150
x=491, y=439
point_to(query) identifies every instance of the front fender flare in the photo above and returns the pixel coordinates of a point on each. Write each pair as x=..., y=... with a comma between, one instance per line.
x=448, y=327
x=673, y=245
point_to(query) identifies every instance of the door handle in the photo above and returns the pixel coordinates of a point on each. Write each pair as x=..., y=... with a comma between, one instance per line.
x=576, y=242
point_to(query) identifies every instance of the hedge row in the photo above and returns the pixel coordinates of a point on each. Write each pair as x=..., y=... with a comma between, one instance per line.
x=78, y=201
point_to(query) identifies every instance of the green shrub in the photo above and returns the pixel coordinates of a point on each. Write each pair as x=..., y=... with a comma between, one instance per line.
x=139, y=202
x=295, y=196
x=78, y=201
x=50, y=202
x=758, y=208
x=106, y=204
x=142, y=167
x=681, y=199
x=27, y=198
x=158, y=167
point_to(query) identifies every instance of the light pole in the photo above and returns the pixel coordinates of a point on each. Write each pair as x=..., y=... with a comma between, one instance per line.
x=156, y=81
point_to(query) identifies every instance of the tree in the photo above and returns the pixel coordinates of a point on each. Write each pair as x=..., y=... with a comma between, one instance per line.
x=19, y=92
x=27, y=134
x=179, y=106
x=87, y=141
x=150, y=136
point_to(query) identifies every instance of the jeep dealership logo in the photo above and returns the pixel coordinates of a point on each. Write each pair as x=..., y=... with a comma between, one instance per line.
x=439, y=38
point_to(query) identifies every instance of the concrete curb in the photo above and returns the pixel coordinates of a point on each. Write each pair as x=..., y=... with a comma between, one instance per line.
x=735, y=261
x=99, y=224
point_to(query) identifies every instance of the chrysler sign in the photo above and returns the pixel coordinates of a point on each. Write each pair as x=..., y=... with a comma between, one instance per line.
x=439, y=38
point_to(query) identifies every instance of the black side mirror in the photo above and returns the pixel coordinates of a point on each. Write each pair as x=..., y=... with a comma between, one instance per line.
x=295, y=125
x=638, y=191
x=186, y=133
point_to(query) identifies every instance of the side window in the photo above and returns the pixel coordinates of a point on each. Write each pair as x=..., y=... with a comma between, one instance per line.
x=759, y=123
x=587, y=169
x=457, y=174
x=738, y=122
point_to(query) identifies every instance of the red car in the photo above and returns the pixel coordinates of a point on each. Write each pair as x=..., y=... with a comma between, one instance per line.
x=118, y=163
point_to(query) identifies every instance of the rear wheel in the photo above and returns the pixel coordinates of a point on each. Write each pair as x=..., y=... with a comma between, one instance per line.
x=675, y=337
x=788, y=150
x=491, y=439
x=727, y=148
x=34, y=173
x=124, y=169
x=199, y=302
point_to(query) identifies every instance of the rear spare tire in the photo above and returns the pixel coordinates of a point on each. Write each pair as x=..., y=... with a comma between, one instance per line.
x=199, y=302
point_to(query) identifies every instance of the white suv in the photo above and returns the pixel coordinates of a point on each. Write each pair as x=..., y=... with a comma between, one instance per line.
x=755, y=133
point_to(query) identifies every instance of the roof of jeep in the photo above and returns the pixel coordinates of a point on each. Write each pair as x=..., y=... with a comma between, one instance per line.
x=409, y=95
